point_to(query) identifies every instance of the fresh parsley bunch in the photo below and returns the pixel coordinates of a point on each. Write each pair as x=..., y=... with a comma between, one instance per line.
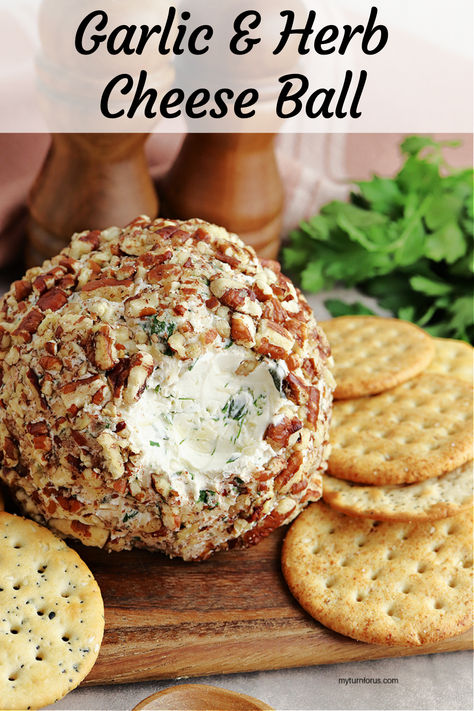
x=407, y=241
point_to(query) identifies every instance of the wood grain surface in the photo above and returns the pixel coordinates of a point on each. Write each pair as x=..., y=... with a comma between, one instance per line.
x=233, y=613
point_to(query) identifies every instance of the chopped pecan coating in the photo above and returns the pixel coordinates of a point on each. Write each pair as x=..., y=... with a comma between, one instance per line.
x=87, y=334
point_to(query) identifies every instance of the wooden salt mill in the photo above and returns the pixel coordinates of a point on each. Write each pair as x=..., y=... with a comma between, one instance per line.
x=231, y=180
x=88, y=181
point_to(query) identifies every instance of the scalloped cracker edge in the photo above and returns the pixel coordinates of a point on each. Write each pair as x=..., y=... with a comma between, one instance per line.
x=373, y=354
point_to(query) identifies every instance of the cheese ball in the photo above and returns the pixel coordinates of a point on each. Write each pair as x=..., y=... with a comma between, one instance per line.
x=162, y=388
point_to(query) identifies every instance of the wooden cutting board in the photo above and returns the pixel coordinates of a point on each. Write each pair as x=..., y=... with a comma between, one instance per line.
x=233, y=613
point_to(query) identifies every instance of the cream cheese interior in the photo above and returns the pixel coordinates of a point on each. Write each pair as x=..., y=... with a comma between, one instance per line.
x=202, y=421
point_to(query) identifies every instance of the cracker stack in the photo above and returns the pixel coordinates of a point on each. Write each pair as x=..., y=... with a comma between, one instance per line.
x=398, y=494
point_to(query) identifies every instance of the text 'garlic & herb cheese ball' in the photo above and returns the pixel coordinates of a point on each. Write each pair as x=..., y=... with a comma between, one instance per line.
x=162, y=388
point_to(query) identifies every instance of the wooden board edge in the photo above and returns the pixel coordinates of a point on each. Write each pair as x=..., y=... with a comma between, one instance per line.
x=259, y=655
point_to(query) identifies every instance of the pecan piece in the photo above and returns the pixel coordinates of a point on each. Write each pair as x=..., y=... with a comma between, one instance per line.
x=5, y=339
x=200, y=235
x=212, y=303
x=106, y=282
x=70, y=265
x=52, y=300
x=162, y=272
x=313, y=406
x=42, y=443
x=91, y=238
x=37, y=428
x=219, y=285
x=209, y=336
x=111, y=454
x=278, y=434
x=11, y=455
x=104, y=352
x=273, y=311
x=243, y=330
x=150, y=259
x=294, y=464
x=118, y=376
x=22, y=289
x=43, y=282
x=34, y=381
x=141, y=367
x=227, y=259
x=29, y=325
x=273, y=340
x=295, y=389
x=262, y=289
x=69, y=503
x=298, y=329
x=284, y=289
x=309, y=368
x=299, y=486
x=271, y=264
x=78, y=393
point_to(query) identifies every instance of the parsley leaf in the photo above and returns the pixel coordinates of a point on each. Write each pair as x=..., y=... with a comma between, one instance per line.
x=129, y=515
x=336, y=307
x=407, y=241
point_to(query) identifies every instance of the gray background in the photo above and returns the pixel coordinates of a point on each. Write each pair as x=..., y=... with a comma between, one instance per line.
x=434, y=681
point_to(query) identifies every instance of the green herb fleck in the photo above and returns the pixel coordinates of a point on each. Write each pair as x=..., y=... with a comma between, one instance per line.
x=206, y=496
x=236, y=406
x=154, y=444
x=129, y=515
x=277, y=373
x=163, y=329
x=258, y=403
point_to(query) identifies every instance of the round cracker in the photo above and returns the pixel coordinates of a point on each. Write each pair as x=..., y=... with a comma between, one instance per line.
x=52, y=616
x=454, y=358
x=385, y=583
x=373, y=354
x=432, y=499
x=419, y=430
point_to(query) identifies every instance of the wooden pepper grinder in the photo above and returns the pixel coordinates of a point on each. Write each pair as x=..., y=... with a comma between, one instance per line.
x=88, y=181
x=231, y=180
